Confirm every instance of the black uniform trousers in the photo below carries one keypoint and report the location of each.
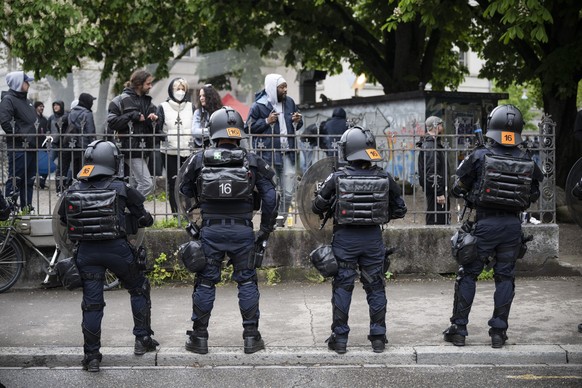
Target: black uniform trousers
(93, 258)
(363, 248)
(498, 237)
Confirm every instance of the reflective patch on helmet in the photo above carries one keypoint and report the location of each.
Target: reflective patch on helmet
(233, 132)
(217, 155)
(86, 171)
(373, 154)
(507, 138)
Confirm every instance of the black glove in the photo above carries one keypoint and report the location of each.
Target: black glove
(145, 220)
(261, 237)
(193, 230)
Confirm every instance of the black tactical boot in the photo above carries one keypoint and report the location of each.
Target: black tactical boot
(253, 344)
(197, 342)
(455, 334)
(580, 328)
(378, 342)
(337, 343)
(91, 362)
(498, 338)
(144, 345)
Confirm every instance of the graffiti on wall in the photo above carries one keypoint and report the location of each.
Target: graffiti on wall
(397, 127)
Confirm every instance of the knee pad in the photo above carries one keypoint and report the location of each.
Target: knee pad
(251, 280)
(335, 285)
(203, 282)
(372, 283)
(92, 306)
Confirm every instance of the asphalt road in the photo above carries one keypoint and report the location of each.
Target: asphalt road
(316, 376)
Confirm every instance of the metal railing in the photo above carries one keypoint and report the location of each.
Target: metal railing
(400, 153)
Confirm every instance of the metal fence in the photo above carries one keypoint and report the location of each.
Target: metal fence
(400, 154)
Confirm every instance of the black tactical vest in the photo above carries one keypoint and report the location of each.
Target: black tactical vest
(505, 183)
(93, 214)
(362, 199)
(225, 176)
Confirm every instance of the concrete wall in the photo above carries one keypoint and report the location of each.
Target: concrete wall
(421, 250)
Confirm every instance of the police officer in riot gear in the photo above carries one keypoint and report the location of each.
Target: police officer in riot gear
(499, 180)
(221, 180)
(362, 197)
(93, 210)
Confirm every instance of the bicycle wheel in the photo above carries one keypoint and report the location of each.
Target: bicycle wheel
(111, 281)
(11, 263)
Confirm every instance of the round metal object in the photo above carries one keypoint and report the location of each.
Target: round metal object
(574, 204)
(308, 186)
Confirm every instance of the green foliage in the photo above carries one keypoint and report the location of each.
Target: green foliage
(54, 37)
(159, 274)
(531, 92)
(272, 275)
(486, 274)
(388, 275)
(226, 275)
(170, 222)
(314, 276)
(160, 197)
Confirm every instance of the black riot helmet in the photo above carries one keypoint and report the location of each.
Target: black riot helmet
(226, 123)
(358, 143)
(101, 158)
(504, 125)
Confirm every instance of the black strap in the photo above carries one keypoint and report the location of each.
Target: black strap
(92, 276)
(343, 264)
(226, 221)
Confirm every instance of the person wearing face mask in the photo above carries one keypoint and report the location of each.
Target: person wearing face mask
(175, 121)
(208, 102)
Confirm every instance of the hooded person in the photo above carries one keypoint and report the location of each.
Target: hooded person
(79, 134)
(175, 116)
(273, 119)
(19, 120)
(333, 130)
(81, 120)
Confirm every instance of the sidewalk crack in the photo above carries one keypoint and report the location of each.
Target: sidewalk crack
(310, 319)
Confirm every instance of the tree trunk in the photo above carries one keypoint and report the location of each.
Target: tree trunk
(568, 150)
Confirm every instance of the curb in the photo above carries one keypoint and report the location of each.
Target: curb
(18, 357)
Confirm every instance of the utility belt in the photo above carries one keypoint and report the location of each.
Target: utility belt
(350, 226)
(226, 221)
(495, 213)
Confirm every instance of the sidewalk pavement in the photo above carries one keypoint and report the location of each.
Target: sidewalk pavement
(43, 327)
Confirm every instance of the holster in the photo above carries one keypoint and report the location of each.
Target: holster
(141, 256)
(523, 246)
(387, 262)
(256, 256)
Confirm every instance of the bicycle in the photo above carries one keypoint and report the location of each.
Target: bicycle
(14, 239)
